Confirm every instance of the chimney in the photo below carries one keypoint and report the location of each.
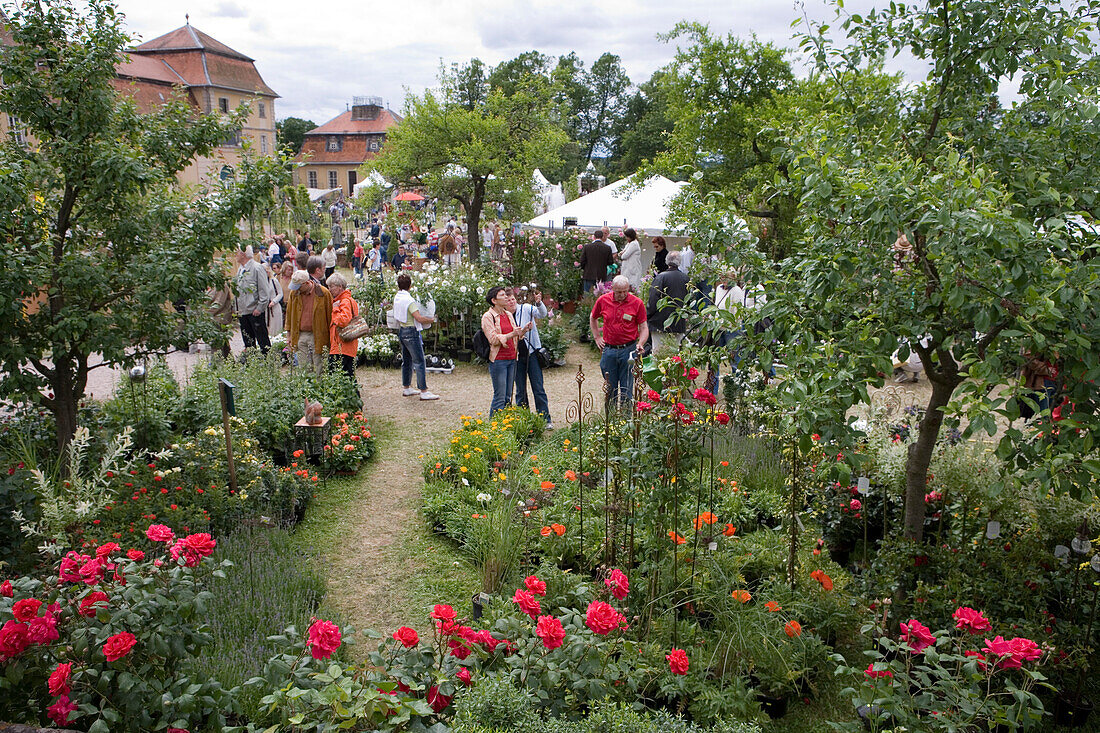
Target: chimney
(366, 108)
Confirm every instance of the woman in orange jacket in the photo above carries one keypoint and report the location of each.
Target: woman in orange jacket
(341, 354)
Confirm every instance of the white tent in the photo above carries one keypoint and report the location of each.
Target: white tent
(318, 194)
(375, 178)
(643, 208)
(548, 196)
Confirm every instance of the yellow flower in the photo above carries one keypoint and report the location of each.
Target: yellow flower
(463, 469)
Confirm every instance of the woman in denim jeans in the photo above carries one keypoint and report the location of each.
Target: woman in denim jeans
(503, 338)
(410, 321)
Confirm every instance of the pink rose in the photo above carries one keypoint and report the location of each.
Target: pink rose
(70, 567)
(26, 609)
(877, 673)
(160, 533)
(602, 618)
(527, 603)
(464, 675)
(550, 630)
(916, 635)
(59, 711)
(201, 544)
(971, 620)
(135, 555)
(42, 630)
(618, 583)
(855, 505)
(324, 639)
(705, 396)
(14, 639)
(677, 661)
(535, 585)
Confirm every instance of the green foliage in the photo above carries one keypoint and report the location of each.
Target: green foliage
(100, 237)
(290, 133)
(145, 406)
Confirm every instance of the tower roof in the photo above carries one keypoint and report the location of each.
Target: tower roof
(189, 38)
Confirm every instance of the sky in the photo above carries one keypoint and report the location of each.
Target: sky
(317, 57)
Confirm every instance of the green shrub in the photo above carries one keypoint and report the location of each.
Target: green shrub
(146, 406)
(494, 704)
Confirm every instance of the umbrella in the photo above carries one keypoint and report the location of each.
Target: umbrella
(409, 196)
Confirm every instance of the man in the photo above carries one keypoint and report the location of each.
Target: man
(624, 332)
(595, 259)
(448, 247)
(528, 368)
(605, 235)
(252, 300)
(308, 320)
(304, 241)
(385, 238)
(398, 261)
(375, 230)
(374, 260)
(665, 326)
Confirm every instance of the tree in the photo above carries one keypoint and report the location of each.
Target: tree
(470, 155)
(291, 132)
(986, 198)
(98, 239)
(606, 86)
(641, 134)
(530, 68)
(466, 86)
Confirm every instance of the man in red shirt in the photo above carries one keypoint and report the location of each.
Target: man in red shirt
(624, 333)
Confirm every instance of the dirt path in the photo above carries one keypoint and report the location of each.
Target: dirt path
(368, 568)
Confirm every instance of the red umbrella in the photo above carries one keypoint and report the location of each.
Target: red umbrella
(409, 196)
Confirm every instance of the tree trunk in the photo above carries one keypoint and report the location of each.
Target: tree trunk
(473, 220)
(64, 407)
(920, 453)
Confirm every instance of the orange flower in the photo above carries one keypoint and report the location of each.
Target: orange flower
(704, 518)
(545, 531)
(730, 530)
(793, 629)
(821, 577)
(559, 529)
(439, 465)
(741, 595)
(675, 537)
(725, 463)
(570, 475)
(546, 485)
(535, 470)
(773, 606)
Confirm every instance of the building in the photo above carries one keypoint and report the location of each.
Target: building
(332, 153)
(212, 77)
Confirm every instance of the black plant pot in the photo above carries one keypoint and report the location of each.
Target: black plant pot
(464, 355)
(774, 706)
(840, 555)
(1071, 712)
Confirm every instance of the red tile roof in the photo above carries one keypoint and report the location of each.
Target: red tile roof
(148, 68)
(344, 125)
(187, 38)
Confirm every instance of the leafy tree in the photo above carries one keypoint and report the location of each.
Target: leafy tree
(606, 86)
(467, 85)
(642, 132)
(529, 68)
(471, 155)
(991, 203)
(291, 132)
(98, 239)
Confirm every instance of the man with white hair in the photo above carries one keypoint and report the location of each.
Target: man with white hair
(623, 334)
(252, 298)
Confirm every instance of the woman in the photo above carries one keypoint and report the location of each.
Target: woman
(631, 258)
(528, 367)
(357, 259)
(328, 256)
(660, 252)
(285, 273)
(275, 304)
(410, 321)
(503, 336)
(341, 353)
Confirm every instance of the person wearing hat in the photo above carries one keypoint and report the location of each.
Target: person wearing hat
(308, 320)
(503, 335)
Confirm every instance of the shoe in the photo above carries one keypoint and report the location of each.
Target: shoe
(409, 392)
(426, 395)
(549, 426)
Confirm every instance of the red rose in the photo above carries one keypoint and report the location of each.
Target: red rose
(324, 639)
(59, 711)
(464, 675)
(877, 673)
(6, 589)
(104, 551)
(535, 585)
(643, 406)
(437, 699)
(43, 630)
(191, 558)
(160, 533)
(550, 630)
(677, 661)
(602, 618)
(135, 555)
(70, 567)
(705, 396)
(14, 639)
(26, 609)
(525, 599)
(408, 637)
(692, 373)
(90, 601)
(653, 395)
(618, 583)
(59, 679)
(722, 418)
(971, 620)
(118, 646)
(91, 572)
(916, 635)
(443, 612)
(200, 543)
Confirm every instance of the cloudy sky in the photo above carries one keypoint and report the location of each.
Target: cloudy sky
(318, 56)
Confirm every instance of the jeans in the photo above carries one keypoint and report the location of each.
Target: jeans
(254, 331)
(589, 284)
(412, 356)
(503, 374)
(617, 369)
(529, 369)
(357, 265)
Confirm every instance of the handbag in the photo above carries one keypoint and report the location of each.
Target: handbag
(543, 356)
(356, 327)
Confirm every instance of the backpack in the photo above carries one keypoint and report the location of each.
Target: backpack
(481, 345)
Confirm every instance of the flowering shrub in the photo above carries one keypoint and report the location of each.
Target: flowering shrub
(379, 348)
(548, 260)
(351, 442)
(105, 642)
(944, 681)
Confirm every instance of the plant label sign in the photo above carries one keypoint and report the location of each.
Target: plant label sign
(863, 485)
(993, 530)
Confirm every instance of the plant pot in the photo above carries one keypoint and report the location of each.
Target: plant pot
(464, 355)
(569, 306)
(774, 706)
(1070, 712)
(840, 555)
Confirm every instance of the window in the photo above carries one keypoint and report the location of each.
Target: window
(263, 111)
(233, 140)
(313, 179)
(17, 131)
(374, 145)
(333, 179)
(335, 144)
(263, 144)
(223, 104)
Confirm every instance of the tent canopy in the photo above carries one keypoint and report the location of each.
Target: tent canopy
(643, 208)
(319, 194)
